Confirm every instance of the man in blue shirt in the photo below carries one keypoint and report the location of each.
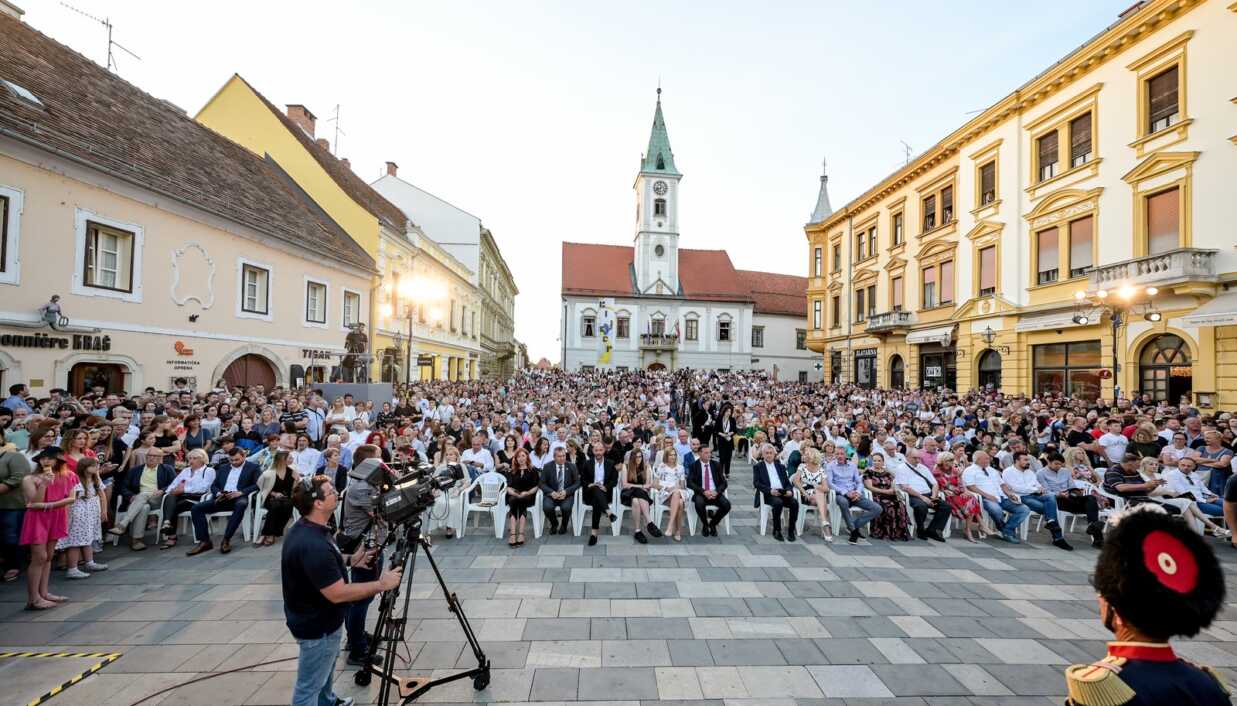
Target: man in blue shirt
(316, 591)
(847, 485)
(17, 399)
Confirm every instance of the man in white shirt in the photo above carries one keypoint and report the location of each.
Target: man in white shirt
(983, 479)
(914, 479)
(796, 438)
(1114, 442)
(1020, 479)
(683, 447)
(477, 459)
(889, 449)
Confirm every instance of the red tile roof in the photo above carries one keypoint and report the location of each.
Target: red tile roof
(776, 293)
(363, 194)
(91, 116)
(708, 275)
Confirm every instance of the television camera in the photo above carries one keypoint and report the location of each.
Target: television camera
(406, 491)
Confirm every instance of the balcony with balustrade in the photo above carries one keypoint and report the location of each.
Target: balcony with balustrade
(1182, 266)
(658, 342)
(890, 322)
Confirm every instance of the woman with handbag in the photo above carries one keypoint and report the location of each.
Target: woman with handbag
(275, 485)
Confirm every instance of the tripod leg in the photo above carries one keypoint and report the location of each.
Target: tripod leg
(453, 602)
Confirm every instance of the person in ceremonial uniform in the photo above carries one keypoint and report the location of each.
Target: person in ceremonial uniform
(1155, 579)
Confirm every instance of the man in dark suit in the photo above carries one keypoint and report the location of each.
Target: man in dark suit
(559, 481)
(141, 492)
(234, 481)
(708, 486)
(769, 477)
(599, 476)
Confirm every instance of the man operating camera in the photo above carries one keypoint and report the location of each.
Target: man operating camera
(365, 481)
(316, 591)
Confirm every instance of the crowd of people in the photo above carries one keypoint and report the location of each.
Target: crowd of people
(898, 465)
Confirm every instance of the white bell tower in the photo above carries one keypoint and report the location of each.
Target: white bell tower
(657, 214)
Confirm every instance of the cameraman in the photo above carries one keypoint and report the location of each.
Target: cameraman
(358, 519)
(316, 591)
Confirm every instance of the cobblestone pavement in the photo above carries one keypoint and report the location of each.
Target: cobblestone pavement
(742, 619)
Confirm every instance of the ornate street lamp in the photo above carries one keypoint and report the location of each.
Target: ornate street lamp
(1118, 309)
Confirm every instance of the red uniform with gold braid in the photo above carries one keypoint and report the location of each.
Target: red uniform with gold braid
(1157, 579)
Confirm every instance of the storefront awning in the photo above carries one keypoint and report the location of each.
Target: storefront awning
(941, 334)
(1221, 311)
(1056, 320)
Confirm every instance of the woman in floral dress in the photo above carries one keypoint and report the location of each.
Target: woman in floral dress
(962, 504)
(892, 524)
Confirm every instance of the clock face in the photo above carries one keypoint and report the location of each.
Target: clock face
(659, 187)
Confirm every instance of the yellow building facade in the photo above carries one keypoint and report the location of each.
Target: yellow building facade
(1100, 190)
(430, 277)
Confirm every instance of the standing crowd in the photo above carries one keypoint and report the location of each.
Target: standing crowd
(895, 465)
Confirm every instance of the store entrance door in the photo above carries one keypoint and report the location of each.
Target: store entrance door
(85, 377)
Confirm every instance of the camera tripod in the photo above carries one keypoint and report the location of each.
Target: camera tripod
(390, 629)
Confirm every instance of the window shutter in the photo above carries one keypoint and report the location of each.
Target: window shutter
(1081, 233)
(1163, 213)
(947, 281)
(1080, 139)
(1048, 149)
(1049, 255)
(1162, 99)
(987, 183)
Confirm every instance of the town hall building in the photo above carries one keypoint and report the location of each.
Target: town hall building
(657, 306)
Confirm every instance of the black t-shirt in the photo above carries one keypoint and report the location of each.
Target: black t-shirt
(310, 563)
(1078, 438)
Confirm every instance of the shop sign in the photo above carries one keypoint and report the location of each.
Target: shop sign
(182, 349)
(77, 342)
(315, 354)
(425, 360)
(933, 371)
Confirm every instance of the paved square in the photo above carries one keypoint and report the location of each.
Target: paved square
(739, 619)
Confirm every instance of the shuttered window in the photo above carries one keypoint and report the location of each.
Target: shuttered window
(1162, 110)
(1049, 256)
(947, 282)
(987, 183)
(929, 213)
(1081, 233)
(1046, 149)
(1080, 140)
(987, 271)
(1163, 220)
(895, 293)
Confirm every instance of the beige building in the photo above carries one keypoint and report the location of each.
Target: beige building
(175, 252)
(1073, 237)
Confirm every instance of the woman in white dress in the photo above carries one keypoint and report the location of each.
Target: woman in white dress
(813, 484)
(671, 490)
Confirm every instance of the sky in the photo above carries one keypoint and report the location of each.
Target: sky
(533, 115)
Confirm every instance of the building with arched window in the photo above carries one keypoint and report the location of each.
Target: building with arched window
(1074, 237)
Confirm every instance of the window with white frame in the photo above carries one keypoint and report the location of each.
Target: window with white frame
(109, 258)
(255, 289)
(723, 330)
(692, 329)
(588, 326)
(10, 234)
(315, 302)
(758, 337)
(352, 308)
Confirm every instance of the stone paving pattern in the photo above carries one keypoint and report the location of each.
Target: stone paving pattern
(742, 619)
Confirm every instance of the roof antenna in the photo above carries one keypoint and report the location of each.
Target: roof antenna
(659, 88)
(106, 22)
(338, 131)
(907, 149)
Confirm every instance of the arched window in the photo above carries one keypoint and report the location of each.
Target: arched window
(897, 372)
(990, 369)
(1165, 368)
(659, 208)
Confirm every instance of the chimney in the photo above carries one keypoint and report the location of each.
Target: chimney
(8, 8)
(324, 144)
(344, 161)
(298, 114)
(392, 167)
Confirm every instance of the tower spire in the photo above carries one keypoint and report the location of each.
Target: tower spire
(658, 157)
(823, 210)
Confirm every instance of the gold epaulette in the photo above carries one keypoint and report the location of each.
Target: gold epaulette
(1216, 675)
(1097, 684)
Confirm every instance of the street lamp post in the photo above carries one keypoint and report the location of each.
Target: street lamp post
(1118, 310)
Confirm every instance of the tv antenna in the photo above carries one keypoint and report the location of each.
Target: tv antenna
(338, 131)
(907, 150)
(111, 43)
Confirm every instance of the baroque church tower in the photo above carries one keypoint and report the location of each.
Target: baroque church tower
(657, 214)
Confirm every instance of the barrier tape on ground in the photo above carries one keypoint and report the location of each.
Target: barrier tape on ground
(108, 658)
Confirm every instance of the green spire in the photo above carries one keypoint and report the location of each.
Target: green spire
(658, 157)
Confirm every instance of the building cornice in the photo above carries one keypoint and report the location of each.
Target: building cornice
(1072, 68)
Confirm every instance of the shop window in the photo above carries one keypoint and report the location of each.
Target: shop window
(1067, 368)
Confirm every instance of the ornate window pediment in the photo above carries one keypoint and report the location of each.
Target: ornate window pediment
(1063, 205)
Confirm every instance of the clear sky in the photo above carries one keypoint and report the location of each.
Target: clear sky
(533, 115)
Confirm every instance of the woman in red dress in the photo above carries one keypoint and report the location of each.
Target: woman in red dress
(49, 493)
(962, 504)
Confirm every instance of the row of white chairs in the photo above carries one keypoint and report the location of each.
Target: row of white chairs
(249, 527)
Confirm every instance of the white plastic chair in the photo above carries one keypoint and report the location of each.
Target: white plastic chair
(157, 513)
(1118, 505)
(725, 520)
(577, 517)
(493, 501)
(906, 500)
(689, 510)
(835, 512)
(246, 520)
(985, 521)
(804, 509)
(538, 517)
